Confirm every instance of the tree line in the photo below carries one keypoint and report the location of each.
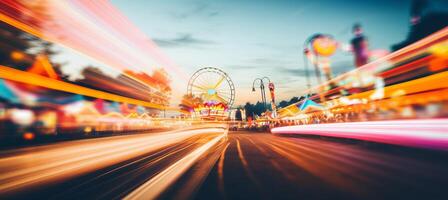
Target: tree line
(258, 108)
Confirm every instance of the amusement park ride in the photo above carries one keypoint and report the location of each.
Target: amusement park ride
(216, 90)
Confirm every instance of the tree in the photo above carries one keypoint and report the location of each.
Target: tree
(249, 109)
(14, 45)
(238, 115)
(259, 108)
(254, 109)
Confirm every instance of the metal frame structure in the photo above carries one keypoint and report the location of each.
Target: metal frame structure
(263, 93)
(202, 84)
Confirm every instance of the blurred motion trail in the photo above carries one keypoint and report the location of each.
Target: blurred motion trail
(210, 164)
(60, 169)
(265, 166)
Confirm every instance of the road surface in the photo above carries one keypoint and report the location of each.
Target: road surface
(210, 164)
(263, 166)
(100, 168)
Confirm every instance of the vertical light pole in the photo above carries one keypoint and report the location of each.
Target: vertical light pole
(261, 84)
(263, 93)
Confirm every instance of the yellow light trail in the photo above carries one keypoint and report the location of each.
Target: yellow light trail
(38, 80)
(429, 83)
(21, 26)
(159, 183)
(433, 82)
(33, 166)
(402, 54)
(419, 47)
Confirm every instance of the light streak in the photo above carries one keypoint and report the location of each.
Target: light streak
(422, 44)
(414, 49)
(436, 81)
(34, 79)
(22, 26)
(241, 155)
(34, 165)
(158, 184)
(221, 170)
(106, 36)
(429, 83)
(246, 166)
(429, 133)
(324, 167)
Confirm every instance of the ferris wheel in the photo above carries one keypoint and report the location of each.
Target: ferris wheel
(212, 84)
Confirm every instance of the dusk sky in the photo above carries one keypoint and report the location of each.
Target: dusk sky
(250, 39)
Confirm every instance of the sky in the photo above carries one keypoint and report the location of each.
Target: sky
(252, 38)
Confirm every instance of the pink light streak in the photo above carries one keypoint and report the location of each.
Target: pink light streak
(428, 133)
(94, 28)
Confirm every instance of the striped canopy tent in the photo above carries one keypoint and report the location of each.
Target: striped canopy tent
(298, 108)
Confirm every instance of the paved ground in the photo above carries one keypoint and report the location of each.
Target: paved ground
(264, 166)
(98, 168)
(244, 165)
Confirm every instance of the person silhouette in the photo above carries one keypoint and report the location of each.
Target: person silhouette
(359, 46)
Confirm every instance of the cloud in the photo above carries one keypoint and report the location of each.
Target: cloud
(213, 13)
(296, 71)
(264, 60)
(186, 39)
(201, 9)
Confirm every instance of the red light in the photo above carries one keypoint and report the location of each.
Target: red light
(28, 136)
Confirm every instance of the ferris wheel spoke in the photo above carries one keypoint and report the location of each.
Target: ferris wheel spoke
(224, 91)
(202, 82)
(199, 87)
(198, 92)
(212, 84)
(227, 99)
(224, 95)
(227, 90)
(219, 82)
(220, 99)
(223, 87)
(206, 81)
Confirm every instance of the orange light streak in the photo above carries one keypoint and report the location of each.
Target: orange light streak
(35, 165)
(420, 46)
(158, 184)
(436, 81)
(38, 80)
(106, 48)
